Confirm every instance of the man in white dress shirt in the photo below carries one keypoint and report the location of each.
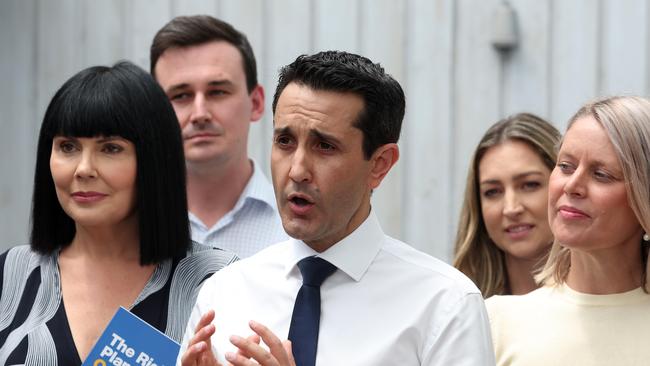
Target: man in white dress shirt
(337, 119)
(207, 69)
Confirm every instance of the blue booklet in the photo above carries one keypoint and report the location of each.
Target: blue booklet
(130, 341)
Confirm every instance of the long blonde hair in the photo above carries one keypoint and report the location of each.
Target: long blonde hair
(476, 255)
(626, 120)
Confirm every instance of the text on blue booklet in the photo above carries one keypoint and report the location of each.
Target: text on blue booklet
(130, 341)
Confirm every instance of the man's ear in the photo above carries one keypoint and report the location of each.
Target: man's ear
(257, 102)
(382, 160)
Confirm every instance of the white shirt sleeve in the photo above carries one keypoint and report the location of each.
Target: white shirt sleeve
(464, 337)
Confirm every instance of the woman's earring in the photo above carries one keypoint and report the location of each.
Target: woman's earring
(646, 237)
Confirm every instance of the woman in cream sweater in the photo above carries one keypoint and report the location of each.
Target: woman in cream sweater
(594, 306)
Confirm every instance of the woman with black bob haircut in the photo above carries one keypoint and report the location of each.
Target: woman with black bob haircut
(109, 222)
(122, 101)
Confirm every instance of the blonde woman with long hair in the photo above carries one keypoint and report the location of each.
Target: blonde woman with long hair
(503, 230)
(594, 306)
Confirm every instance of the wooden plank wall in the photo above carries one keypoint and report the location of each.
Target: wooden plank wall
(456, 83)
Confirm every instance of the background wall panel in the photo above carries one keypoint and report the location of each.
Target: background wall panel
(624, 48)
(180, 7)
(574, 61)
(426, 138)
(59, 43)
(143, 19)
(526, 69)
(102, 25)
(18, 118)
(477, 87)
(337, 25)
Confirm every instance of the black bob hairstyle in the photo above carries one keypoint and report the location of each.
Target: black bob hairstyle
(124, 101)
(338, 71)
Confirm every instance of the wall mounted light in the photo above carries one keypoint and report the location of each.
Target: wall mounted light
(505, 36)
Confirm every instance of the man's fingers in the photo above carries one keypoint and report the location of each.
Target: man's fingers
(237, 359)
(272, 341)
(254, 350)
(289, 349)
(206, 319)
(253, 338)
(193, 354)
(203, 330)
(199, 354)
(203, 335)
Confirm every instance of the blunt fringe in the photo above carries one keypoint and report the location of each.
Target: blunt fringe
(626, 120)
(123, 101)
(476, 254)
(337, 71)
(186, 31)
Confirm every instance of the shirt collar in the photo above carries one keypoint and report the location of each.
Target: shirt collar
(352, 255)
(257, 188)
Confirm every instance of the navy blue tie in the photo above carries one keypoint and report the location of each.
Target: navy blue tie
(305, 320)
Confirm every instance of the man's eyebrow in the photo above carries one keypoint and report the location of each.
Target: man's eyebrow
(324, 136)
(312, 133)
(183, 86)
(221, 82)
(177, 87)
(281, 130)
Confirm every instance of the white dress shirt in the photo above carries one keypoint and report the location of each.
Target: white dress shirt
(252, 225)
(387, 304)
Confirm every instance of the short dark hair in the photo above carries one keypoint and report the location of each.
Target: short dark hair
(185, 31)
(384, 102)
(124, 101)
